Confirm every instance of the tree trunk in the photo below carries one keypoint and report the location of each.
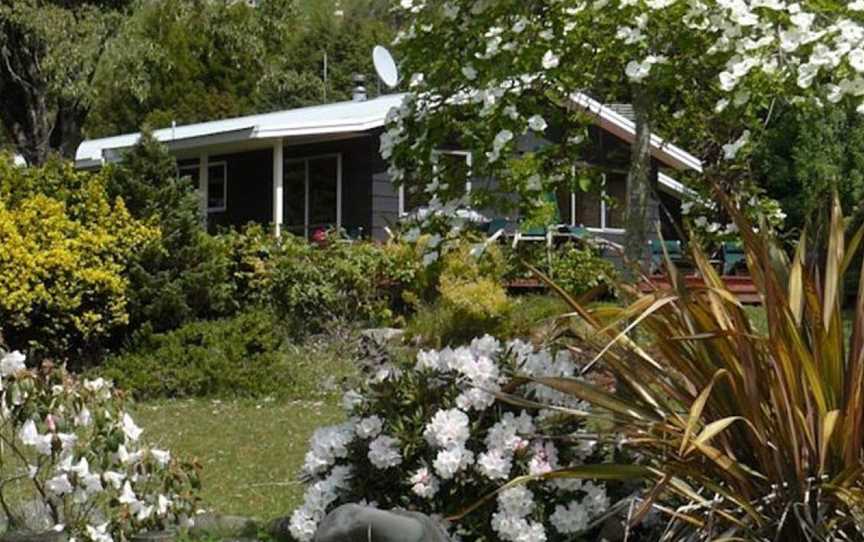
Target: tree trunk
(639, 182)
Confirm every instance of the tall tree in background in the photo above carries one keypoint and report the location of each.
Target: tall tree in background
(189, 61)
(49, 54)
(343, 30)
(809, 153)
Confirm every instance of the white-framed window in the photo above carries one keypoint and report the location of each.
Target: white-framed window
(593, 209)
(412, 201)
(217, 183)
(312, 194)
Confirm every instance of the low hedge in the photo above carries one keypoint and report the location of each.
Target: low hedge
(247, 355)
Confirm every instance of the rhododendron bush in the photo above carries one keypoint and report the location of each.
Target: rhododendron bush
(432, 436)
(70, 446)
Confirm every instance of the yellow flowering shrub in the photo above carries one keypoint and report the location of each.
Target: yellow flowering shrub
(64, 249)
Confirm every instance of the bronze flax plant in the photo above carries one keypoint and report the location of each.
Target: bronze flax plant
(744, 434)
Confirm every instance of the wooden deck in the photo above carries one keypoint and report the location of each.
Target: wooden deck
(741, 286)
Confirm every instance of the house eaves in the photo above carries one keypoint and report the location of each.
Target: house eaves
(621, 126)
(344, 119)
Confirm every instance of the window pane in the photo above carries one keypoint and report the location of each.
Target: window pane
(323, 180)
(216, 187)
(415, 196)
(588, 209)
(294, 197)
(562, 196)
(616, 189)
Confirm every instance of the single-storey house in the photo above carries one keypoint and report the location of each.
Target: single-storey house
(302, 169)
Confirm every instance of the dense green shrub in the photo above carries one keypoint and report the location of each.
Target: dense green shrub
(64, 250)
(313, 286)
(578, 270)
(186, 273)
(436, 324)
(248, 355)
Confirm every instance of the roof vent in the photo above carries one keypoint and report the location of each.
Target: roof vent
(359, 92)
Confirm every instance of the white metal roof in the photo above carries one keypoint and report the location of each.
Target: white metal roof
(335, 118)
(351, 117)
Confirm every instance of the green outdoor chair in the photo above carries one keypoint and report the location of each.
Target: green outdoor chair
(496, 225)
(673, 248)
(733, 257)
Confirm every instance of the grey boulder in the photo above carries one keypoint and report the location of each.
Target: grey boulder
(355, 523)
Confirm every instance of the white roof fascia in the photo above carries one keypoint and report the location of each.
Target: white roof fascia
(323, 129)
(625, 128)
(672, 185)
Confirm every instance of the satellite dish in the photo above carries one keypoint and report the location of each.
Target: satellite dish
(385, 66)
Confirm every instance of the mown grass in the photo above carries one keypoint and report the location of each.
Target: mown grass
(250, 451)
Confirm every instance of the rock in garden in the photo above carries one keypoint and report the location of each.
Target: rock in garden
(383, 335)
(355, 523)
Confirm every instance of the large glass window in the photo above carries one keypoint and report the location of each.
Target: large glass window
(311, 191)
(294, 197)
(323, 191)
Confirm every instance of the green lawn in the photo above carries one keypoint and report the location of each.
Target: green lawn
(250, 451)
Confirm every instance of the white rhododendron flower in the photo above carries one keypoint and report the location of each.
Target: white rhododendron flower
(450, 461)
(130, 429)
(424, 484)
(31, 437)
(369, 427)
(11, 363)
(448, 428)
(384, 452)
(328, 444)
(495, 464)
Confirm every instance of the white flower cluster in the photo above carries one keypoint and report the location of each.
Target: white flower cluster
(327, 445)
(319, 496)
(515, 505)
(471, 439)
(103, 489)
